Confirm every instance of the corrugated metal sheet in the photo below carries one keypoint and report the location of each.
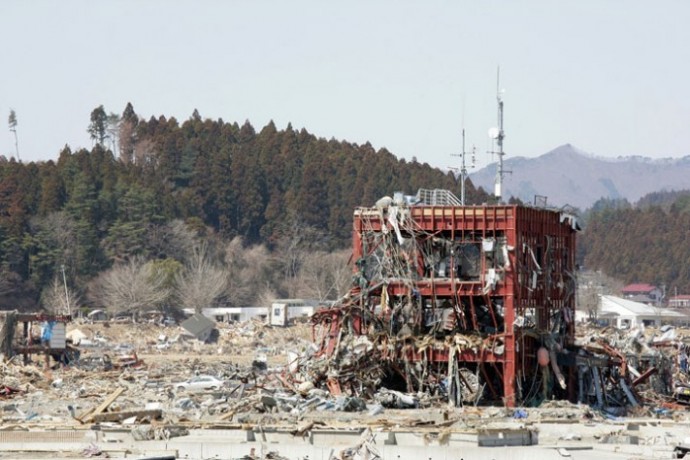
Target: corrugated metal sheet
(58, 338)
(42, 436)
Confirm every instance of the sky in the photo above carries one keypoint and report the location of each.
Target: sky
(610, 77)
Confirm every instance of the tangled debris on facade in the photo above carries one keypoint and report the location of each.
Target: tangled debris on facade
(472, 304)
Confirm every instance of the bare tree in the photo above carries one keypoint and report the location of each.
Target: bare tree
(173, 239)
(130, 287)
(250, 272)
(265, 295)
(127, 140)
(295, 241)
(238, 289)
(58, 301)
(202, 281)
(325, 275)
(145, 153)
(591, 286)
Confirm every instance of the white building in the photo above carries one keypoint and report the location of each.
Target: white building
(233, 314)
(624, 313)
(281, 312)
(679, 301)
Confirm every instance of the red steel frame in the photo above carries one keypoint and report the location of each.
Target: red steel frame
(523, 227)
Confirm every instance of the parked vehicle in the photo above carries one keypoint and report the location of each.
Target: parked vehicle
(200, 382)
(124, 360)
(169, 322)
(123, 348)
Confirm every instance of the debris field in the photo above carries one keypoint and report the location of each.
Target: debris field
(461, 319)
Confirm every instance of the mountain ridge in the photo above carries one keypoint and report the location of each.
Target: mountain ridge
(569, 175)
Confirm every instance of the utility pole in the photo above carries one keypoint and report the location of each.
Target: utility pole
(64, 280)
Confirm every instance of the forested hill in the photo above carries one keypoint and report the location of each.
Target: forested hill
(646, 243)
(93, 208)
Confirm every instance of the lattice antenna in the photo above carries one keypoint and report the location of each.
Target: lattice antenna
(463, 167)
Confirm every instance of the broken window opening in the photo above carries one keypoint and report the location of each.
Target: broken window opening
(469, 261)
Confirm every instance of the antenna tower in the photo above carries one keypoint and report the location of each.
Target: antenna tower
(499, 135)
(463, 168)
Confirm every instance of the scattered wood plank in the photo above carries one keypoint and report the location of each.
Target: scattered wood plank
(88, 416)
(227, 416)
(151, 414)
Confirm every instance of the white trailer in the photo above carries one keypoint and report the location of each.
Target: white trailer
(285, 311)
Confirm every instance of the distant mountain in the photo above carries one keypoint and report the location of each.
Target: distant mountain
(567, 175)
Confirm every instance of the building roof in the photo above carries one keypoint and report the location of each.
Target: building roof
(642, 298)
(197, 324)
(307, 302)
(638, 287)
(626, 307)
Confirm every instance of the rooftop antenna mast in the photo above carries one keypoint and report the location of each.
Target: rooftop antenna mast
(463, 165)
(498, 134)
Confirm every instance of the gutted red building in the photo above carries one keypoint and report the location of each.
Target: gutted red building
(474, 302)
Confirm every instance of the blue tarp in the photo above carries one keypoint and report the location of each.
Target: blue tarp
(47, 331)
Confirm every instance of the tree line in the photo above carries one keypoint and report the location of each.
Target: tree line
(193, 214)
(648, 242)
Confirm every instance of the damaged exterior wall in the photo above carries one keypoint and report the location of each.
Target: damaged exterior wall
(469, 303)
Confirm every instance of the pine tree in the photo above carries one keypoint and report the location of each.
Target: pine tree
(98, 128)
(136, 216)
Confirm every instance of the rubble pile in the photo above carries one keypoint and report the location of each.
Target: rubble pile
(464, 314)
(278, 379)
(619, 370)
(129, 357)
(362, 364)
(619, 373)
(451, 306)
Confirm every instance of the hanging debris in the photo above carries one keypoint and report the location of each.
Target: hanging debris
(455, 301)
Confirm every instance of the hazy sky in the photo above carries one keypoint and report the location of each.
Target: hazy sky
(610, 77)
